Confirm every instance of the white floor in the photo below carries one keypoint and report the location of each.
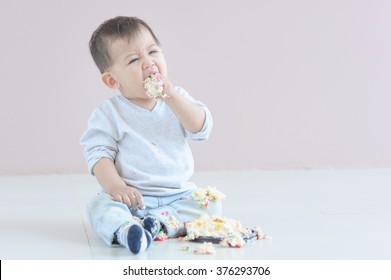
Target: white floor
(312, 214)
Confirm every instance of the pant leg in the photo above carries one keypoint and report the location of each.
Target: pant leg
(183, 209)
(106, 216)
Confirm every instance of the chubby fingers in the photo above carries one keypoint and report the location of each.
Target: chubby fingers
(133, 200)
(138, 198)
(117, 197)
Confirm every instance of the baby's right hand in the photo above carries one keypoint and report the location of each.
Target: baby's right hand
(129, 196)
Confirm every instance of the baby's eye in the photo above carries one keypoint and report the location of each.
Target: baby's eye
(133, 60)
(153, 51)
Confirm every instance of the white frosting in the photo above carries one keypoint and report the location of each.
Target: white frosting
(155, 86)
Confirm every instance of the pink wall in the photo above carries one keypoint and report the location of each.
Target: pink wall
(291, 84)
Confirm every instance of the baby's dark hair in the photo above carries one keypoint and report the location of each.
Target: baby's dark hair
(113, 29)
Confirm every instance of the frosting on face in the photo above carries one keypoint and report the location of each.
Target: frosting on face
(155, 86)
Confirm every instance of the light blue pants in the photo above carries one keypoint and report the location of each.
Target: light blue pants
(106, 215)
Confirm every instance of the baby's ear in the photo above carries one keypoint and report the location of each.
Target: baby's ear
(109, 80)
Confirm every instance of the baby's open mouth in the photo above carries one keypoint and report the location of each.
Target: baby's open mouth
(154, 85)
(153, 73)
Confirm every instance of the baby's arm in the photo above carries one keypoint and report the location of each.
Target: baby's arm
(112, 183)
(190, 115)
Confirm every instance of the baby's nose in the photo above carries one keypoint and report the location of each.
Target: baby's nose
(148, 63)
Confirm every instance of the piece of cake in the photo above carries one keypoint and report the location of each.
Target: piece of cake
(227, 232)
(155, 86)
(205, 249)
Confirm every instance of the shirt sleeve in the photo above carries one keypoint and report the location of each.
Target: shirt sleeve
(204, 133)
(100, 138)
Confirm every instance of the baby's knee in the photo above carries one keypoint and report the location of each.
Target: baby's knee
(102, 203)
(98, 200)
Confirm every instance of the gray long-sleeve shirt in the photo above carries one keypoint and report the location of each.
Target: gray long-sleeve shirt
(149, 148)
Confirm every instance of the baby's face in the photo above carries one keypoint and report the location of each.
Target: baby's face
(134, 61)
